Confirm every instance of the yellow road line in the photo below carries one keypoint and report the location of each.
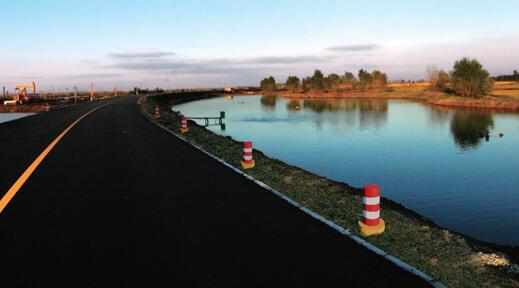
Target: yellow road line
(19, 183)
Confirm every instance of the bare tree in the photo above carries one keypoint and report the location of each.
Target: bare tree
(431, 74)
(438, 79)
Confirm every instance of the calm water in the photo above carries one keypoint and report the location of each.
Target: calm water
(433, 160)
(4, 117)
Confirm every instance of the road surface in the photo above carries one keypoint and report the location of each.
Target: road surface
(119, 202)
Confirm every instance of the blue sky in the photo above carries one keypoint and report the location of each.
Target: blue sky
(176, 44)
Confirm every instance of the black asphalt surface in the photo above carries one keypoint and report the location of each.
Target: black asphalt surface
(120, 202)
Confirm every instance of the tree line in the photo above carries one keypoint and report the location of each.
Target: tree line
(330, 83)
(468, 78)
(513, 77)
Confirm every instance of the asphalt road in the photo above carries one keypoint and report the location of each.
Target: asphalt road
(120, 202)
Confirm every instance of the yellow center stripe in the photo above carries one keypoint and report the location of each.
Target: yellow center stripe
(19, 183)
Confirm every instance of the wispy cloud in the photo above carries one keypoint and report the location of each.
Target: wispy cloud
(180, 67)
(218, 65)
(88, 61)
(96, 75)
(287, 59)
(354, 48)
(140, 55)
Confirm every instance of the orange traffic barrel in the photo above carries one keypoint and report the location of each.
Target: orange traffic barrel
(247, 162)
(372, 223)
(183, 124)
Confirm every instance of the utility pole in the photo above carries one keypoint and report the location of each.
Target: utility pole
(75, 94)
(4, 92)
(91, 92)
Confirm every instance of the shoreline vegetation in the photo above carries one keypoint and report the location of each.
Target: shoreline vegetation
(505, 101)
(452, 258)
(468, 85)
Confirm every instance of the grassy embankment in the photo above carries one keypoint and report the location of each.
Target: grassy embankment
(455, 260)
(35, 107)
(505, 96)
(22, 108)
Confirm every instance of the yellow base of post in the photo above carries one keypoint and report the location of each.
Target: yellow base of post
(366, 230)
(184, 130)
(248, 165)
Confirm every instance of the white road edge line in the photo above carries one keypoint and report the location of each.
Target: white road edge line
(413, 270)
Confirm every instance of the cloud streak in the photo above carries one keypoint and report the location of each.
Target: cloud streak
(354, 48)
(288, 59)
(140, 55)
(180, 67)
(218, 65)
(97, 75)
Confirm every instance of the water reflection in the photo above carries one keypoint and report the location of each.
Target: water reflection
(470, 128)
(439, 117)
(269, 101)
(373, 112)
(332, 105)
(320, 106)
(293, 105)
(377, 105)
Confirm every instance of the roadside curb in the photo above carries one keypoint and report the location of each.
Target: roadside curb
(405, 266)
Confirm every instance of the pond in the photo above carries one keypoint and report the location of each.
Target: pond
(459, 168)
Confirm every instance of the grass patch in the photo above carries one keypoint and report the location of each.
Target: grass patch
(451, 258)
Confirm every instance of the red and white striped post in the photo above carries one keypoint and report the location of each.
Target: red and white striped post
(371, 223)
(47, 107)
(157, 111)
(183, 124)
(247, 162)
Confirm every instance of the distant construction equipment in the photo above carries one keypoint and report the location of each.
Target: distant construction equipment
(27, 93)
(22, 95)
